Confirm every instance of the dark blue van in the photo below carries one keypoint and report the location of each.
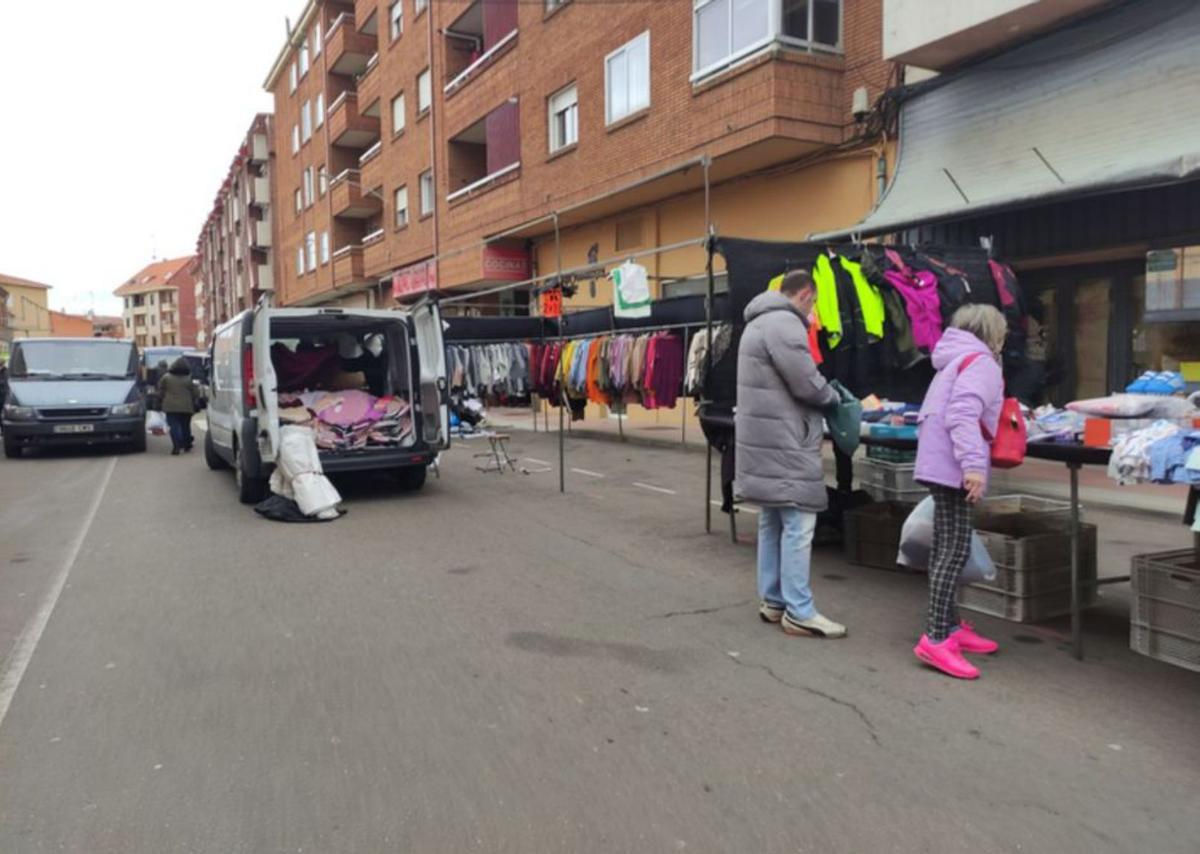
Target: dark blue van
(73, 391)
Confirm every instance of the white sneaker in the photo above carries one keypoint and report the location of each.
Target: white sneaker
(769, 613)
(816, 626)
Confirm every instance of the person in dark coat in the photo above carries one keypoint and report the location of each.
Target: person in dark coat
(178, 395)
(779, 429)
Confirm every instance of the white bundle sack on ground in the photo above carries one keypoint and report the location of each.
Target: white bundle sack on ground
(298, 474)
(916, 546)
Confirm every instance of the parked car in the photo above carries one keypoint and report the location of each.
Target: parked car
(243, 408)
(73, 391)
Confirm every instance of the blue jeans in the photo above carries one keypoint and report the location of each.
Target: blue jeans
(785, 536)
(180, 426)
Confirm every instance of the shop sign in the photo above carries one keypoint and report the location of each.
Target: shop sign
(552, 303)
(416, 279)
(505, 264)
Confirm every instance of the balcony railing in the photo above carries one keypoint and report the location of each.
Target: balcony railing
(485, 60)
(486, 182)
(262, 234)
(370, 88)
(349, 199)
(348, 266)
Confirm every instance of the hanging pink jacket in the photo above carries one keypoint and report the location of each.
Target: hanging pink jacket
(921, 300)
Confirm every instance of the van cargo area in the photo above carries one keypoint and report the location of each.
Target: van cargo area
(350, 381)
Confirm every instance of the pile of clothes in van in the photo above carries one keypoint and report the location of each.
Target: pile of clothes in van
(348, 420)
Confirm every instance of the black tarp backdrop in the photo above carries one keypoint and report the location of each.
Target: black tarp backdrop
(751, 264)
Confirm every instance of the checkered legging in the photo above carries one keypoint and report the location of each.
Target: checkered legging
(951, 549)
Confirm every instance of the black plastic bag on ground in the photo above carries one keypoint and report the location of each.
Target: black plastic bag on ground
(280, 509)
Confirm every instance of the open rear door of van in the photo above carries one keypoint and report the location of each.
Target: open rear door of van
(265, 386)
(434, 392)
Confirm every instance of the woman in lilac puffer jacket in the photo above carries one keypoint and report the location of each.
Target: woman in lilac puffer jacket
(958, 418)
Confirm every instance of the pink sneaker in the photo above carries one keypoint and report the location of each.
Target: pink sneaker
(946, 657)
(968, 641)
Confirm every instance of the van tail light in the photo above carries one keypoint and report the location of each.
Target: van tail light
(248, 377)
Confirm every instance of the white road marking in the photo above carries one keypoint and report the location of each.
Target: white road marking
(588, 473)
(536, 462)
(656, 488)
(27, 641)
(743, 508)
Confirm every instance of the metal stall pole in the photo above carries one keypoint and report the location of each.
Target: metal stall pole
(1076, 617)
(562, 404)
(706, 162)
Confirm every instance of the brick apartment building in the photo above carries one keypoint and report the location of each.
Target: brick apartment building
(160, 305)
(407, 131)
(235, 263)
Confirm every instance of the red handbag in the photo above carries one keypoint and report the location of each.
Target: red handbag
(1009, 443)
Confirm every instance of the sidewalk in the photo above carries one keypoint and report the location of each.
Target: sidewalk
(1035, 477)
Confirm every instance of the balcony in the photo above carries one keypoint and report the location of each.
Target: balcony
(366, 15)
(261, 235)
(371, 168)
(375, 252)
(486, 154)
(349, 50)
(940, 34)
(260, 191)
(348, 266)
(260, 150)
(348, 128)
(476, 39)
(348, 198)
(265, 276)
(370, 89)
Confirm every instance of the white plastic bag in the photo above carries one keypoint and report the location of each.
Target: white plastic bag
(156, 423)
(916, 545)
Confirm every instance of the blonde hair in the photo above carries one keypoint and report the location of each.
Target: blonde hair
(985, 322)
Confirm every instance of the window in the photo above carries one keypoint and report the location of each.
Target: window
(320, 119)
(322, 181)
(303, 59)
(396, 19)
(299, 201)
(402, 206)
(295, 139)
(419, 6)
(295, 79)
(308, 187)
(398, 113)
(310, 243)
(300, 261)
(564, 118)
(316, 40)
(426, 193)
(324, 247)
(725, 30)
(424, 91)
(627, 79)
(306, 122)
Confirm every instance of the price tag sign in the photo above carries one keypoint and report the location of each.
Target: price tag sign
(552, 303)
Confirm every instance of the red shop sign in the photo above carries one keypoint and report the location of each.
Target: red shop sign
(416, 279)
(505, 264)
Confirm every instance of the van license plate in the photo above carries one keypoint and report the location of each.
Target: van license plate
(74, 428)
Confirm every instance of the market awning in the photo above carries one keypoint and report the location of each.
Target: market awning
(1105, 104)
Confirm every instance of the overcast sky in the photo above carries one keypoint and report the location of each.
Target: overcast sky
(120, 122)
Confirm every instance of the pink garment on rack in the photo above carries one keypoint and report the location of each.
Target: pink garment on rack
(919, 290)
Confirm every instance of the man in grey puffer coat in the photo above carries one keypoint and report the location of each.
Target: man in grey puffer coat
(780, 427)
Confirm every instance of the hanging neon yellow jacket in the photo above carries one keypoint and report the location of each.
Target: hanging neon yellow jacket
(828, 308)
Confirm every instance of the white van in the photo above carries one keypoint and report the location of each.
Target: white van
(399, 356)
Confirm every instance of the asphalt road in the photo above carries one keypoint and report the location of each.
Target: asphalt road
(489, 666)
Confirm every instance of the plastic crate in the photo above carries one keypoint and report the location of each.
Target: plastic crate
(889, 475)
(1165, 617)
(1033, 569)
(1022, 609)
(872, 534)
(1001, 507)
(890, 455)
(1033, 545)
(902, 496)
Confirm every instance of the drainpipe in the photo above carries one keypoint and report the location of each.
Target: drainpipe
(881, 170)
(433, 168)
